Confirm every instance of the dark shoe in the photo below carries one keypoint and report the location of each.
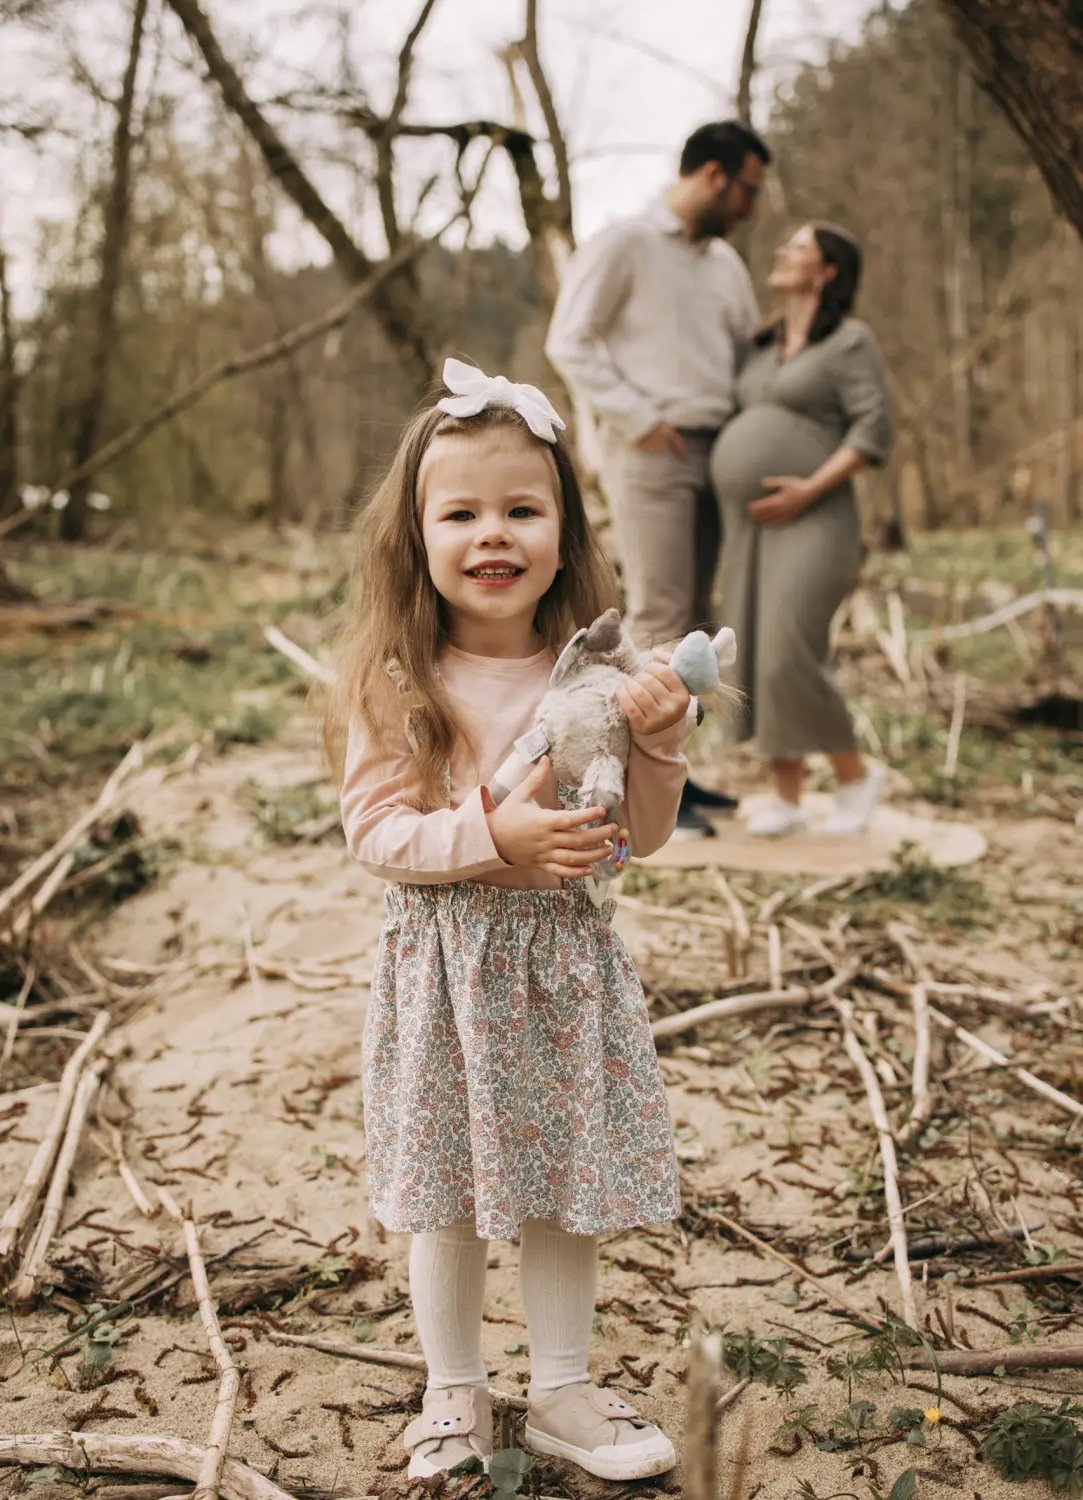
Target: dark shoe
(701, 796)
(692, 824)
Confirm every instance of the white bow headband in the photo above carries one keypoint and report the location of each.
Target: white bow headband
(473, 390)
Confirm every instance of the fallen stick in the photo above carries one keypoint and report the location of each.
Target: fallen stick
(127, 1176)
(209, 1478)
(733, 1393)
(24, 1289)
(67, 840)
(946, 1244)
(700, 1468)
(106, 1453)
(991, 1055)
(742, 936)
(921, 1108)
(17, 1012)
(955, 732)
(887, 1156)
(791, 1265)
(19, 1211)
(774, 956)
(1029, 1273)
(736, 1005)
(1062, 598)
(299, 656)
(676, 914)
(988, 1361)
(399, 1359)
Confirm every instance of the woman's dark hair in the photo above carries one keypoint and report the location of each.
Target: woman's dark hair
(726, 142)
(840, 249)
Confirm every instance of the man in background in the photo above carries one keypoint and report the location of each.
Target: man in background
(653, 317)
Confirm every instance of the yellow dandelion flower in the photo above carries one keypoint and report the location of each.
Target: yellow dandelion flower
(933, 1414)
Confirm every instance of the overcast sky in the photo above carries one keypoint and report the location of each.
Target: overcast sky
(631, 79)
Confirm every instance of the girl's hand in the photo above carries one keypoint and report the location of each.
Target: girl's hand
(544, 838)
(654, 699)
(791, 497)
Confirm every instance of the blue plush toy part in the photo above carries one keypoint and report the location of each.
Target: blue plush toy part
(697, 660)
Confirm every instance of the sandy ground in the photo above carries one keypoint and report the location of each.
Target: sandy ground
(245, 1098)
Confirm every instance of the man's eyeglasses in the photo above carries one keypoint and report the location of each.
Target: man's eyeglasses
(752, 189)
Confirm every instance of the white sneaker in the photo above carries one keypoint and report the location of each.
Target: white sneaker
(777, 819)
(856, 803)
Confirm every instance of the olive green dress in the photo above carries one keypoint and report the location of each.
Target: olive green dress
(782, 584)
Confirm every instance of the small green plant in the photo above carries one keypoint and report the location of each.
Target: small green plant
(98, 1346)
(1028, 1442)
(329, 1269)
(508, 1469)
(768, 1360)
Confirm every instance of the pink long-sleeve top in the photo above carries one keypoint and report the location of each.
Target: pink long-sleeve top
(496, 700)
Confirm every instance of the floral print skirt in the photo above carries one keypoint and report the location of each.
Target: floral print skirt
(509, 1069)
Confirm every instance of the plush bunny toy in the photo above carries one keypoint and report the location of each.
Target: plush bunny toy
(582, 728)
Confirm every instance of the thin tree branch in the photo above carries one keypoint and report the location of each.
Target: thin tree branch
(385, 141)
(562, 206)
(748, 65)
(398, 315)
(243, 364)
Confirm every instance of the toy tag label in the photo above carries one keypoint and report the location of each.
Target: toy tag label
(532, 745)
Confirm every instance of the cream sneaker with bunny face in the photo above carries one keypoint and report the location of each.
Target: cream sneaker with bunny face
(454, 1425)
(598, 1431)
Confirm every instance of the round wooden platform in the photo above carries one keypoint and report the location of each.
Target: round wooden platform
(817, 853)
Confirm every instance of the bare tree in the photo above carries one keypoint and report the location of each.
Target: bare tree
(748, 64)
(1026, 54)
(9, 401)
(397, 307)
(956, 211)
(73, 517)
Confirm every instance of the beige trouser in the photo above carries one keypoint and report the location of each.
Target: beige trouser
(668, 534)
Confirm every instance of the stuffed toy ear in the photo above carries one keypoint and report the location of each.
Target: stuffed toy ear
(696, 664)
(725, 647)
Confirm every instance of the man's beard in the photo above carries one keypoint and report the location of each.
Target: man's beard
(715, 223)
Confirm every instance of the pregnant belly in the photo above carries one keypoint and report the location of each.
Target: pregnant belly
(766, 440)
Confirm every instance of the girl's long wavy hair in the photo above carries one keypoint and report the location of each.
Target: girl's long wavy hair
(394, 622)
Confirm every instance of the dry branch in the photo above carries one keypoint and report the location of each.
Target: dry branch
(791, 1265)
(887, 1155)
(1029, 1273)
(736, 1005)
(105, 1453)
(991, 1055)
(44, 862)
(399, 1359)
(955, 732)
(400, 315)
(24, 1288)
(127, 1176)
(209, 1477)
(1057, 598)
(299, 656)
(921, 1107)
(701, 1431)
(242, 364)
(16, 1013)
(19, 1211)
(988, 1361)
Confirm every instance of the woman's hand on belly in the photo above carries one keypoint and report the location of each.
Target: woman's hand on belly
(791, 496)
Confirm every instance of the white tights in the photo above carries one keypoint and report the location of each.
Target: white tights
(558, 1274)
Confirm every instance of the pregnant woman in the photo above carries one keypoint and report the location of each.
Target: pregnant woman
(813, 412)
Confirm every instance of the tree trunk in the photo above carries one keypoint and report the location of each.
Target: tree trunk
(1028, 55)
(956, 178)
(400, 314)
(9, 402)
(73, 517)
(748, 64)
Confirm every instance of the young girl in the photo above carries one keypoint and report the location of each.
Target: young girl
(511, 1086)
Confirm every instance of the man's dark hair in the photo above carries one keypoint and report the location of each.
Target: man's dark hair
(727, 142)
